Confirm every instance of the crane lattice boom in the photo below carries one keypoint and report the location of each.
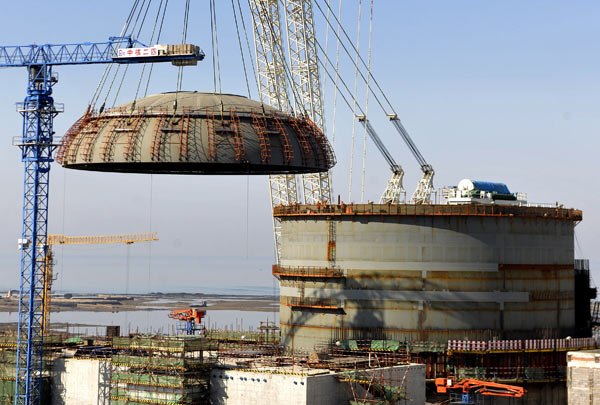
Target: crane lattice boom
(95, 240)
(80, 240)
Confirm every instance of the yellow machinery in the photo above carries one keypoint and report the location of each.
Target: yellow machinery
(81, 240)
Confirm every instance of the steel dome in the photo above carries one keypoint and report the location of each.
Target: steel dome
(206, 133)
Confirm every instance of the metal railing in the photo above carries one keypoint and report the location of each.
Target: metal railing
(311, 302)
(307, 271)
(428, 210)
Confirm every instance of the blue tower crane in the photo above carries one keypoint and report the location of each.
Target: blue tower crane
(37, 145)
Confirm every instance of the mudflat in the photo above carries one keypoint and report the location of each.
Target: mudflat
(152, 301)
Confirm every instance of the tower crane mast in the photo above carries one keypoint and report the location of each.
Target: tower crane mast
(37, 145)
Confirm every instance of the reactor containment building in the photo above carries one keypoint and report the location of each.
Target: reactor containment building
(491, 267)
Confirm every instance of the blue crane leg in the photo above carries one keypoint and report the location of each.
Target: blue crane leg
(36, 146)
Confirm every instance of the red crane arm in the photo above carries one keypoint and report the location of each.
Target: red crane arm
(187, 315)
(469, 385)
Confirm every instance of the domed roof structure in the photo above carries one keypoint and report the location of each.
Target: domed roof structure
(195, 133)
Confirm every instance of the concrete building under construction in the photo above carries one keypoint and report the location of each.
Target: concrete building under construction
(426, 272)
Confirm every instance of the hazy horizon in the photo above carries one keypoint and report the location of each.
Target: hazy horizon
(498, 91)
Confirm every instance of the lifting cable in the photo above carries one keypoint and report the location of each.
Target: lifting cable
(325, 77)
(337, 73)
(131, 33)
(354, 104)
(364, 160)
(374, 136)
(108, 68)
(237, 28)
(157, 40)
(150, 44)
(248, 45)
(396, 122)
(215, 46)
(186, 15)
(362, 61)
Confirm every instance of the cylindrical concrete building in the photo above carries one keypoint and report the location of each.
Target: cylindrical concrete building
(425, 272)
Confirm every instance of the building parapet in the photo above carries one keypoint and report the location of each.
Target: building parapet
(299, 210)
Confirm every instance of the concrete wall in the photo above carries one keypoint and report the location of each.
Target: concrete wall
(244, 387)
(583, 377)
(80, 382)
(429, 278)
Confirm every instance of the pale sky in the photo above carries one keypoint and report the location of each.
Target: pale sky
(501, 91)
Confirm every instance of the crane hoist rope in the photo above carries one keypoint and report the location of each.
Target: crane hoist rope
(355, 102)
(239, 38)
(424, 188)
(394, 191)
(364, 159)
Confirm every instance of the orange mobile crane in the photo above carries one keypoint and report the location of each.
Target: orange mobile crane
(470, 388)
(80, 240)
(191, 317)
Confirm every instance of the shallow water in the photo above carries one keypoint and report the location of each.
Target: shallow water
(155, 321)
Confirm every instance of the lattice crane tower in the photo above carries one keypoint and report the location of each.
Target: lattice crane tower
(272, 83)
(304, 68)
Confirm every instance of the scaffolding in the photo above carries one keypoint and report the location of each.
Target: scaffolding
(8, 367)
(161, 370)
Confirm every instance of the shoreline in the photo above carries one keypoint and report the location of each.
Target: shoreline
(152, 302)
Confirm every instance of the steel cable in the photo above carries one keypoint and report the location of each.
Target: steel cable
(186, 14)
(354, 101)
(337, 74)
(248, 45)
(316, 2)
(364, 161)
(237, 28)
(157, 40)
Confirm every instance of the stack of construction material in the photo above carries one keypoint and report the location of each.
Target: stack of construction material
(583, 377)
(161, 370)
